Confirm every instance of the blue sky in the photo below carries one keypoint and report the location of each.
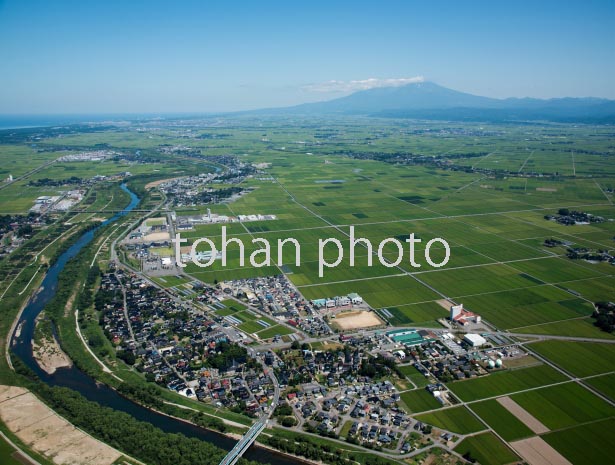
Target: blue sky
(197, 56)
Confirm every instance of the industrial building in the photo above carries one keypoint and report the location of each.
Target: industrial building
(410, 337)
(475, 340)
(462, 316)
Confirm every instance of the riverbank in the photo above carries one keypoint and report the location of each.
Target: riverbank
(301, 460)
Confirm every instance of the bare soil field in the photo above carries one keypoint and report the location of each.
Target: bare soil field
(49, 434)
(357, 320)
(154, 237)
(536, 451)
(523, 415)
(153, 184)
(521, 362)
(445, 304)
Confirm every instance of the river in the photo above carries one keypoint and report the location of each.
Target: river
(87, 386)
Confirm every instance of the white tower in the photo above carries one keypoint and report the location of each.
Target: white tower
(456, 310)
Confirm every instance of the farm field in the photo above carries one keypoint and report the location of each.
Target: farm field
(501, 420)
(419, 401)
(456, 419)
(418, 378)
(564, 405)
(487, 449)
(604, 384)
(378, 293)
(7, 454)
(574, 327)
(171, 281)
(526, 307)
(579, 358)
(585, 445)
(415, 314)
(505, 381)
(274, 330)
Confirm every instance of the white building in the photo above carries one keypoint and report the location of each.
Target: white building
(475, 340)
(355, 298)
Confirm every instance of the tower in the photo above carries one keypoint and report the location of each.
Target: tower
(456, 311)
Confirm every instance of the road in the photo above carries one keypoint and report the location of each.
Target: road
(27, 174)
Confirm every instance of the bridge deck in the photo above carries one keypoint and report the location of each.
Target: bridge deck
(244, 443)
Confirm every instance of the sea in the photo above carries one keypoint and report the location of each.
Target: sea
(37, 121)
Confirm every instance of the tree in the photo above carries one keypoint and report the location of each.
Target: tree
(95, 340)
(283, 410)
(24, 230)
(127, 356)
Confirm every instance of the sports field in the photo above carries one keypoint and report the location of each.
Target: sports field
(356, 320)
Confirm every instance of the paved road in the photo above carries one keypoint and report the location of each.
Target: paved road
(27, 174)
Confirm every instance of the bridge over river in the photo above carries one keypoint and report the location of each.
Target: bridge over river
(245, 442)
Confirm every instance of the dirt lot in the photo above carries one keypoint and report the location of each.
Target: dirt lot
(47, 433)
(153, 184)
(445, 304)
(357, 320)
(536, 451)
(523, 415)
(157, 237)
(518, 362)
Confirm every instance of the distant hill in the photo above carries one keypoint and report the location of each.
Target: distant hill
(427, 100)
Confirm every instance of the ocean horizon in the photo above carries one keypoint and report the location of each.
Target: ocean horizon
(23, 121)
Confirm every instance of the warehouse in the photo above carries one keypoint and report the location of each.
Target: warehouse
(474, 340)
(409, 337)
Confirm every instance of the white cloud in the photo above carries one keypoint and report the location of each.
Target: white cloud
(363, 84)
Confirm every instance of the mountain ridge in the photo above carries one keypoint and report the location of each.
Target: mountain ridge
(428, 100)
